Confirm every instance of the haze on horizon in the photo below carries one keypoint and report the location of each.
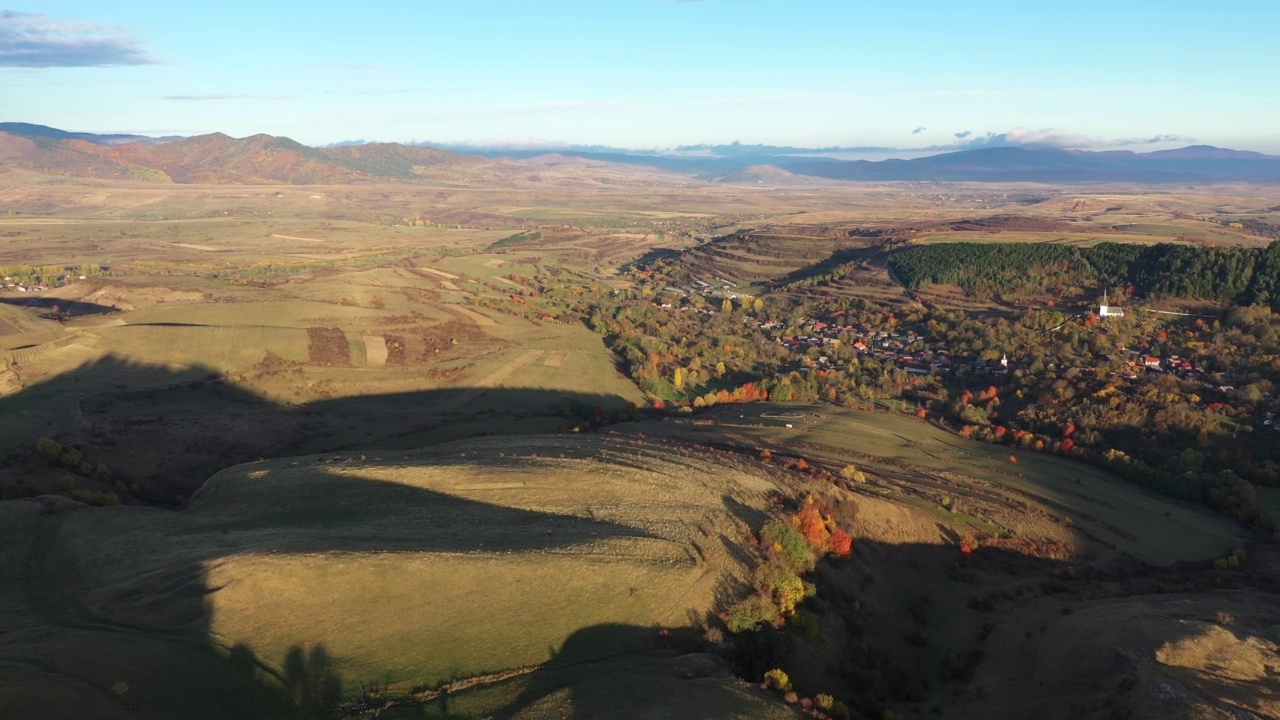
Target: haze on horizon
(904, 77)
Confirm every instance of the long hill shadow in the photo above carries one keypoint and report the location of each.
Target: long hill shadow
(160, 432)
(902, 627)
(835, 260)
(62, 307)
(101, 650)
(104, 646)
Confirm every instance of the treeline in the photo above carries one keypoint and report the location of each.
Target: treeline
(1255, 227)
(831, 277)
(518, 238)
(1241, 276)
(46, 273)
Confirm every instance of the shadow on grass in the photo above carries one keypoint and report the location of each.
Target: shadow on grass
(60, 306)
(900, 626)
(160, 432)
(136, 641)
(612, 671)
(146, 648)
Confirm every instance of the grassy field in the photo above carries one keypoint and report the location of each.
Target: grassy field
(387, 312)
(906, 452)
(410, 569)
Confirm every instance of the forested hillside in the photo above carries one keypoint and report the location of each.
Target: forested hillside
(1244, 276)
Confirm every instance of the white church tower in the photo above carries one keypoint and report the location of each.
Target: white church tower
(1105, 310)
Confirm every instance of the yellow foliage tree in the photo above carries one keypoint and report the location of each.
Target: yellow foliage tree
(788, 592)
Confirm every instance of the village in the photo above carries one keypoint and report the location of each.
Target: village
(896, 348)
(824, 345)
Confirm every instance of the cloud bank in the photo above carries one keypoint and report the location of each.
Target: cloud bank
(34, 40)
(1052, 139)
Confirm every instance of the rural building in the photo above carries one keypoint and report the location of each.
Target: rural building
(1106, 311)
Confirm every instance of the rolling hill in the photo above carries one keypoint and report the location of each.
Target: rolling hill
(56, 157)
(220, 159)
(400, 571)
(44, 131)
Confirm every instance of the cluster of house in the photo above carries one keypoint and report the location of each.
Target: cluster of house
(721, 288)
(11, 284)
(883, 345)
(1141, 362)
(892, 347)
(704, 312)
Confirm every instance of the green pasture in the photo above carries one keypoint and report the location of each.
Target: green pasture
(1140, 522)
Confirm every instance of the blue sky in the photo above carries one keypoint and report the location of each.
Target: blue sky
(655, 73)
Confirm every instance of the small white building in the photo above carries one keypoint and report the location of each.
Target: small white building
(1106, 311)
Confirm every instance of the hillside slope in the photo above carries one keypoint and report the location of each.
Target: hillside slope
(219, 159)
(398, 571)
(56, 157)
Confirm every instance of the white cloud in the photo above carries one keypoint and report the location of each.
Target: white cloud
(35, 40)
(1053, 139)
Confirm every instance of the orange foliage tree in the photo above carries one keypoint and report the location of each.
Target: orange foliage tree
(841, 543)
(814, 527)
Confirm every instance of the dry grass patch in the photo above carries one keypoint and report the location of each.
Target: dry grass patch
(425, 566)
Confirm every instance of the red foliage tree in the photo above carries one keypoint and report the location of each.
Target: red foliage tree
(841, 543)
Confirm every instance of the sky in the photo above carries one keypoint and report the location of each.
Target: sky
(902, 75)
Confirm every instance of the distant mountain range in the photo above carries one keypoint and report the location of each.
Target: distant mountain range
(1195, 164)
(218, 158)
(44, 131)
(773, 164)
